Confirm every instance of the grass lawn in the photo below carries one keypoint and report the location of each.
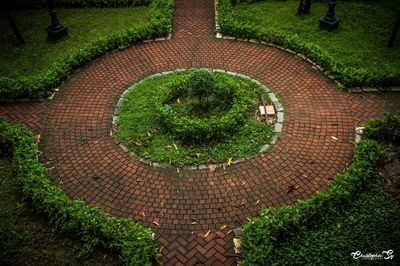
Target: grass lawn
(141, 129)
(26, 238)
(84, 26)
(360, 41)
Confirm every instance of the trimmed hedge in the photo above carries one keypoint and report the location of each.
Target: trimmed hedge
(349, 76)
(136, 243)
(385, 129)
(200, 129)
(40, 86)
(262, 235)
(27, 4)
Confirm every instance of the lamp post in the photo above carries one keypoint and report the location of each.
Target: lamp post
(329, 22)
(56, 31)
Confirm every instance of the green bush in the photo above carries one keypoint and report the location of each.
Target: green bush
(136, 243)
(384, 129)
(201, 84)
(349, 76)
(195, 126)
(263, 234)
(25, 4)
(41, 85)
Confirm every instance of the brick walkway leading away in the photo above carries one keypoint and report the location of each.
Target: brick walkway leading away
(76, 143)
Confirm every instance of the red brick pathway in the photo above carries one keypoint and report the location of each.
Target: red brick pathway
(75, 129)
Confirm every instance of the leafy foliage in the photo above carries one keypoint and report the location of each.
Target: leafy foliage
(336, 54)
(136, 243)
(41, 85)
(283, 235)
(23, 4)
(384, 129)
(201, 84)
(193, 126)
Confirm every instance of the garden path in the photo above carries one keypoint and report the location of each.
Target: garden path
(317, 140)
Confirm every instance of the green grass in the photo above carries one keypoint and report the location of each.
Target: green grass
(370, 225)
(141, 130)
(26, 238)
(84, 26)
(360, 41)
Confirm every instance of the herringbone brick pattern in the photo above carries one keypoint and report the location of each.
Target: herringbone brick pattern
(316, 143)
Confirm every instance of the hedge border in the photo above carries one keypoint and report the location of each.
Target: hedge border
(26, 4)
(262, 234)
(135, 243)
(349, 76)
(42, 85)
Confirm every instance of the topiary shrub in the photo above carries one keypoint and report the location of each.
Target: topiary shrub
(210, 109)
(201, 84)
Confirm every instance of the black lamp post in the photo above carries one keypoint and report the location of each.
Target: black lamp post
(56, 31)
(329, 22)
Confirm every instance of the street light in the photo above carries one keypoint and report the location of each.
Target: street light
(329, 22)
(56, 31)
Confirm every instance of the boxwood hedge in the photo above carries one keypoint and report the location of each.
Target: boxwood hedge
(135, 243)
(42, 85)
(349, 76)
(262, 235)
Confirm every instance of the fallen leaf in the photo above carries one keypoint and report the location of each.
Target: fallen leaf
(198, 154)
(177, 170)
(206, 234)
(248, 219)
(194, 221)
(292, 188)
(222, 227)
(156, 223)
(229, 162)
(334, 138)
(212, 167)
(141, 213)
(148, 134)
(162, 247)
(176, 147)
(110, 133)
(138, 142)
(243, 202)
(243, 182)
(178, 100)
(258, 201)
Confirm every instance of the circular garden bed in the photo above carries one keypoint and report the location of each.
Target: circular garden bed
(193, 117)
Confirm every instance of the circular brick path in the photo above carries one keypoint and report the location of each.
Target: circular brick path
(316, 143)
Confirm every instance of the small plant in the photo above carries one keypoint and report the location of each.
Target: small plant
(384, 129)
(201, 85)
(204, 109)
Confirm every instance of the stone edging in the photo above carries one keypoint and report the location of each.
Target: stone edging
(279, 118)
(315, 66)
